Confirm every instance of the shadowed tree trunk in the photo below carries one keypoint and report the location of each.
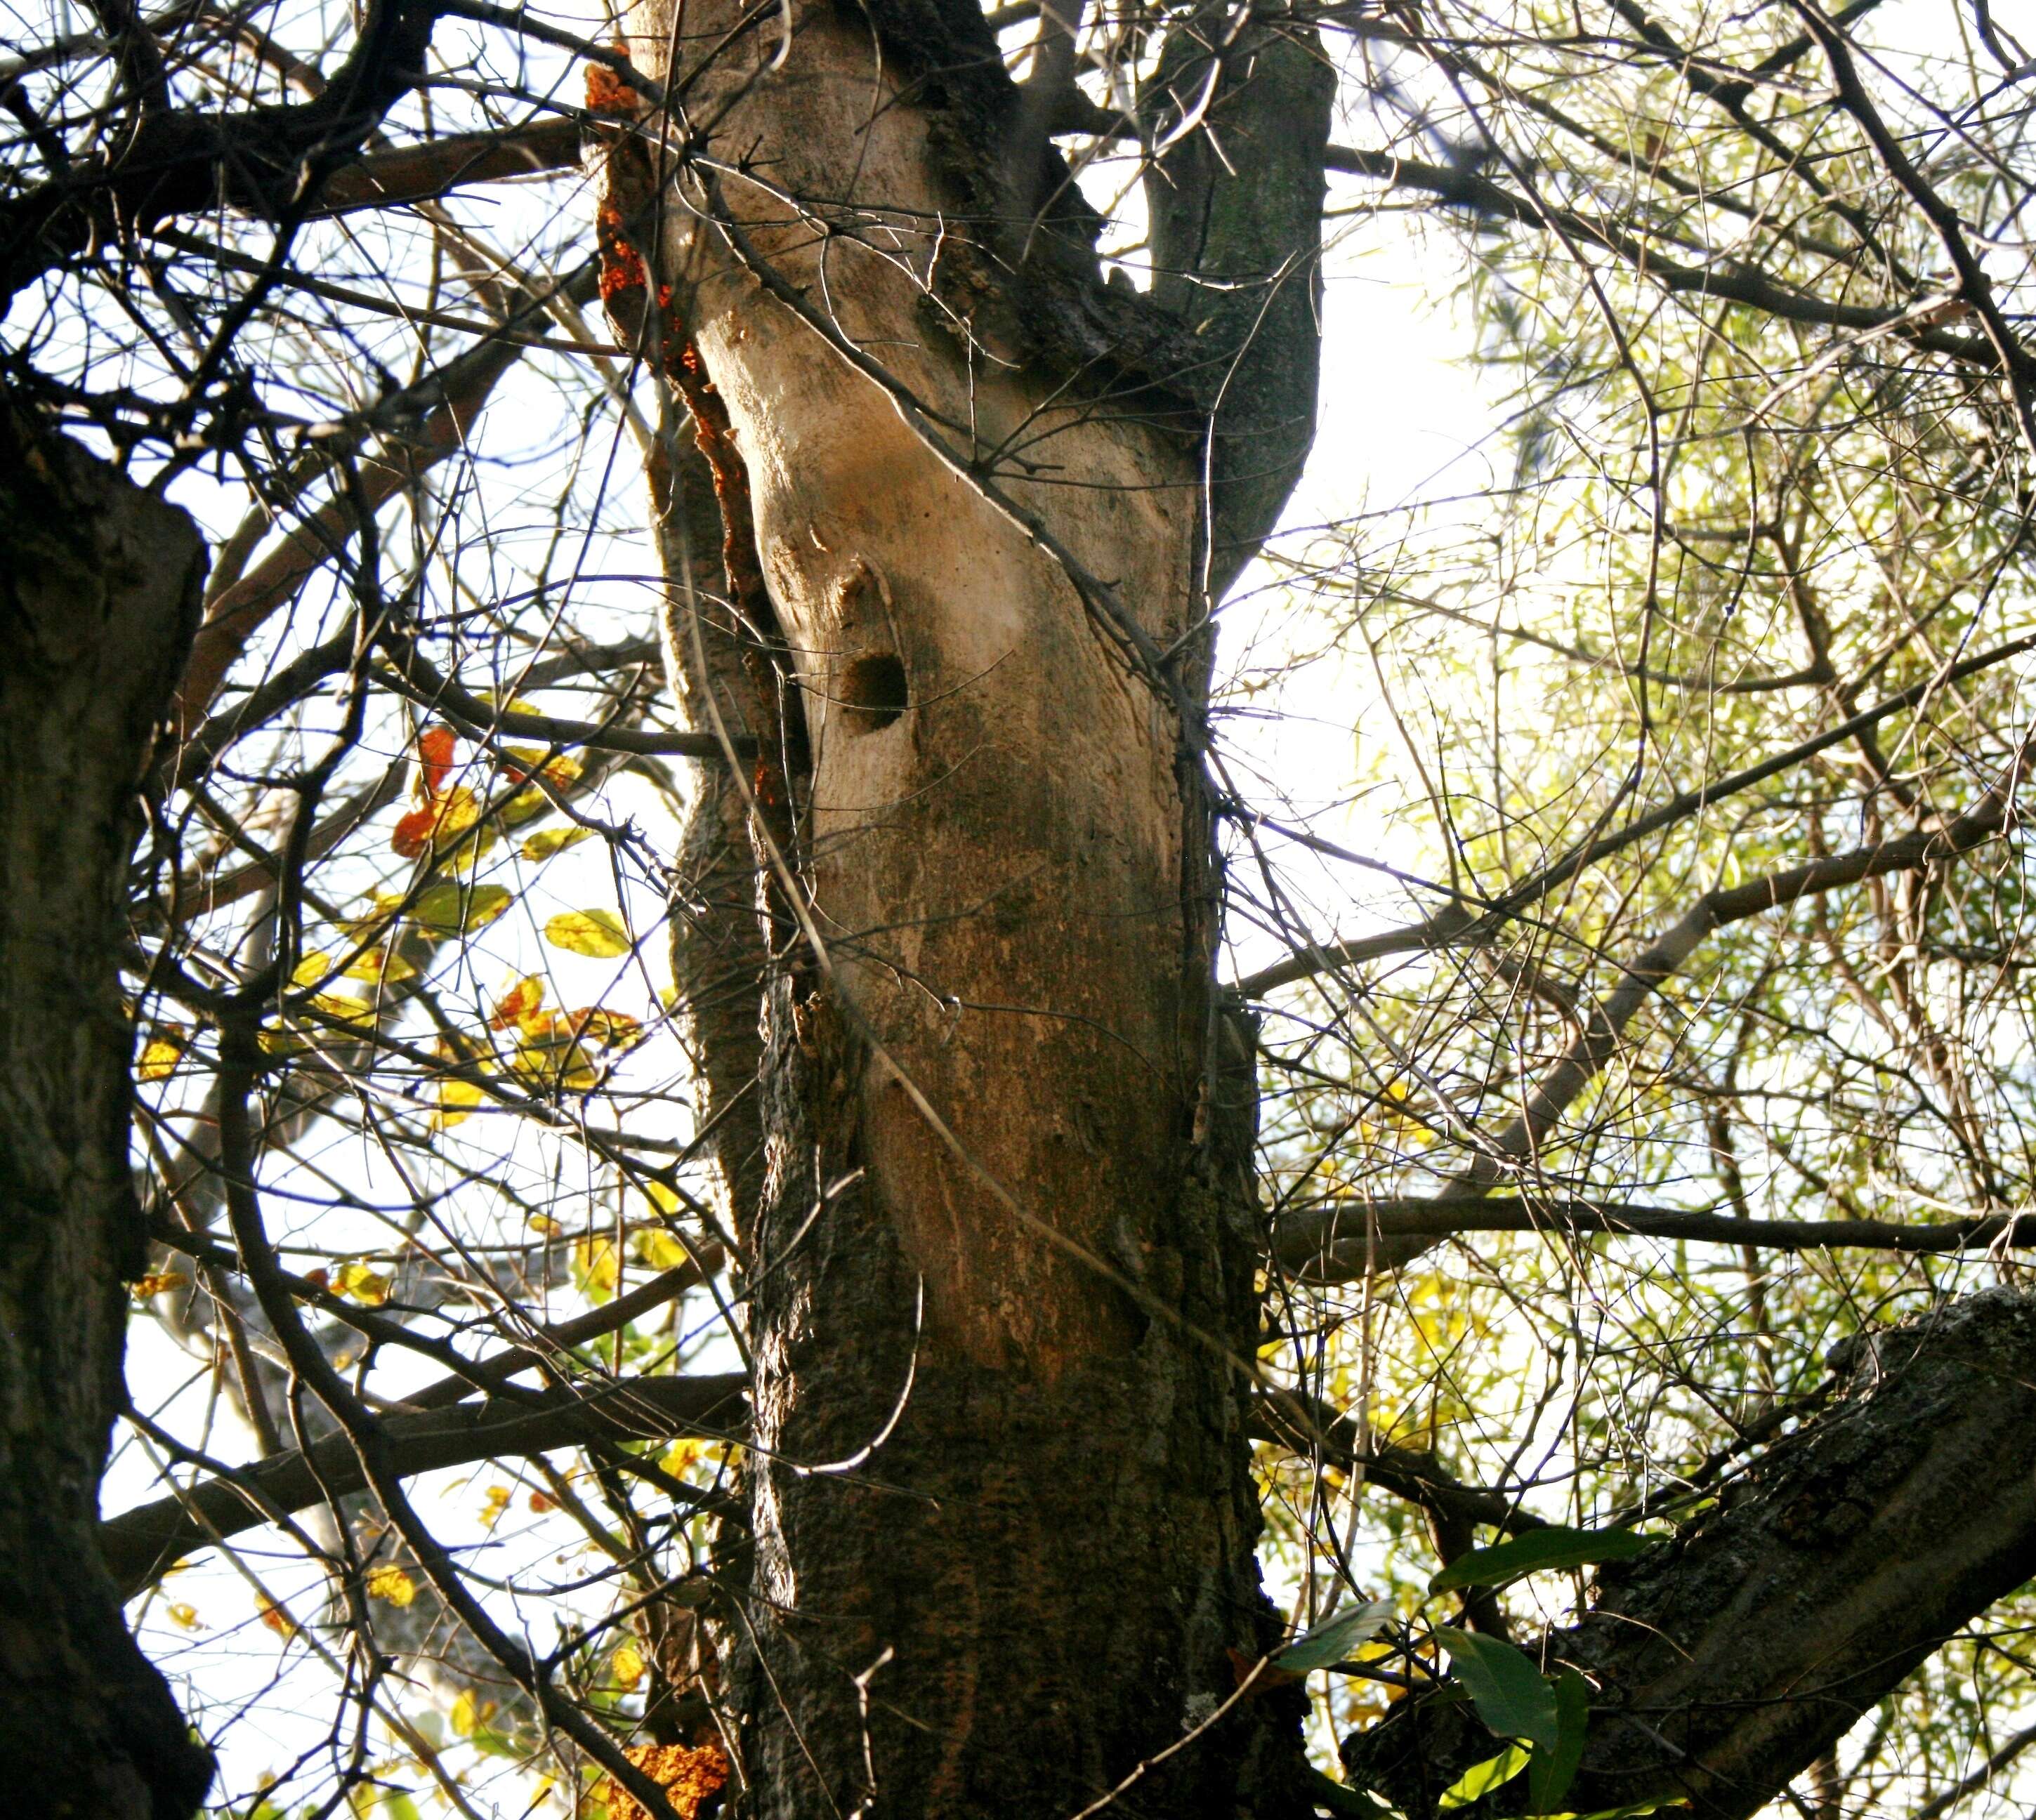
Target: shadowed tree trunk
(98, 601)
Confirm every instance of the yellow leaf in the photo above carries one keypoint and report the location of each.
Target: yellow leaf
(274, 1616)
(448, 909)
(185, 1617)
(344, 1007)
(392, 1585)
(659, 1249)
(312, 968)
(455, 1096)
(681, 1455)
(520, 1005)
(469, 1714)
(627, 1665)
(380, 966)
(494, 1504)
(546, 841)
(472, 850)
(159, 1059)
(543, 1222)
(156, 1282)
(660, 1196)
(599, 1263)
(367, 1286)
(596, 932)
(552, 1061)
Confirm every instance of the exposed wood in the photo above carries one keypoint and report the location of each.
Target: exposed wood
(992, 1251)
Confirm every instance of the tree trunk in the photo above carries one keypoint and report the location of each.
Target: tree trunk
(1001, 1273)
(1725, 1661)
(98, 602)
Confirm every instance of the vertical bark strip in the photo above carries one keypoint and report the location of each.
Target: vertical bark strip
(98, 601)
(1236, 210)
(1000, 1298)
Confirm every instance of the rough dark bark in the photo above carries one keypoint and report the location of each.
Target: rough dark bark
(1727, 1661)
(718, 951)
(98, 598)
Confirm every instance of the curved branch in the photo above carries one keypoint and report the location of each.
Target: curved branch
(269, 159)
(139, 1543)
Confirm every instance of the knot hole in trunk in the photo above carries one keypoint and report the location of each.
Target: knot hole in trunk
(872, 692)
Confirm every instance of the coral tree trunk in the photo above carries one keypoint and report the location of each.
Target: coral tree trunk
(98, 600)
(1000, 1276)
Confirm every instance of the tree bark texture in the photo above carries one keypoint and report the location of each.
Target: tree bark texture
(718, 671)
(1728, 1659)
(98, 598)
(1001, 1269)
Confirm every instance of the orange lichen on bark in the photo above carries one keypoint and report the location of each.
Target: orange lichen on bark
(689, 1778)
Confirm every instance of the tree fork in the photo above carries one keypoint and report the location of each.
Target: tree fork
(98, 605)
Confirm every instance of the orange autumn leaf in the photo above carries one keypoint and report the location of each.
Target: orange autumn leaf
(413, 832)
(519, 1004)
(438, 822)
(435, 747)
(603, 1028)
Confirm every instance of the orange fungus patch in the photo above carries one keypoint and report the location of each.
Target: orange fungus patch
(688, 1776)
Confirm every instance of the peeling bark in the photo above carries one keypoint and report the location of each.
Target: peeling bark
(98, 601)
(1725, 1661)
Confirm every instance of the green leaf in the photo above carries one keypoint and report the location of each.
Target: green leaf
(1553, 1771)
(597, 933)
(450, 909)
(1535, 1552)
(1504, 1685)
(1340, 1798)
(1481, 1779)
(1334, 1639)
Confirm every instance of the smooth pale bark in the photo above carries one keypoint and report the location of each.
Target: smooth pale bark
(98, 598)
(1727, 1661)
(1002, 1285)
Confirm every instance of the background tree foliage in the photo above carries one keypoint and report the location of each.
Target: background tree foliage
(1644, 990)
